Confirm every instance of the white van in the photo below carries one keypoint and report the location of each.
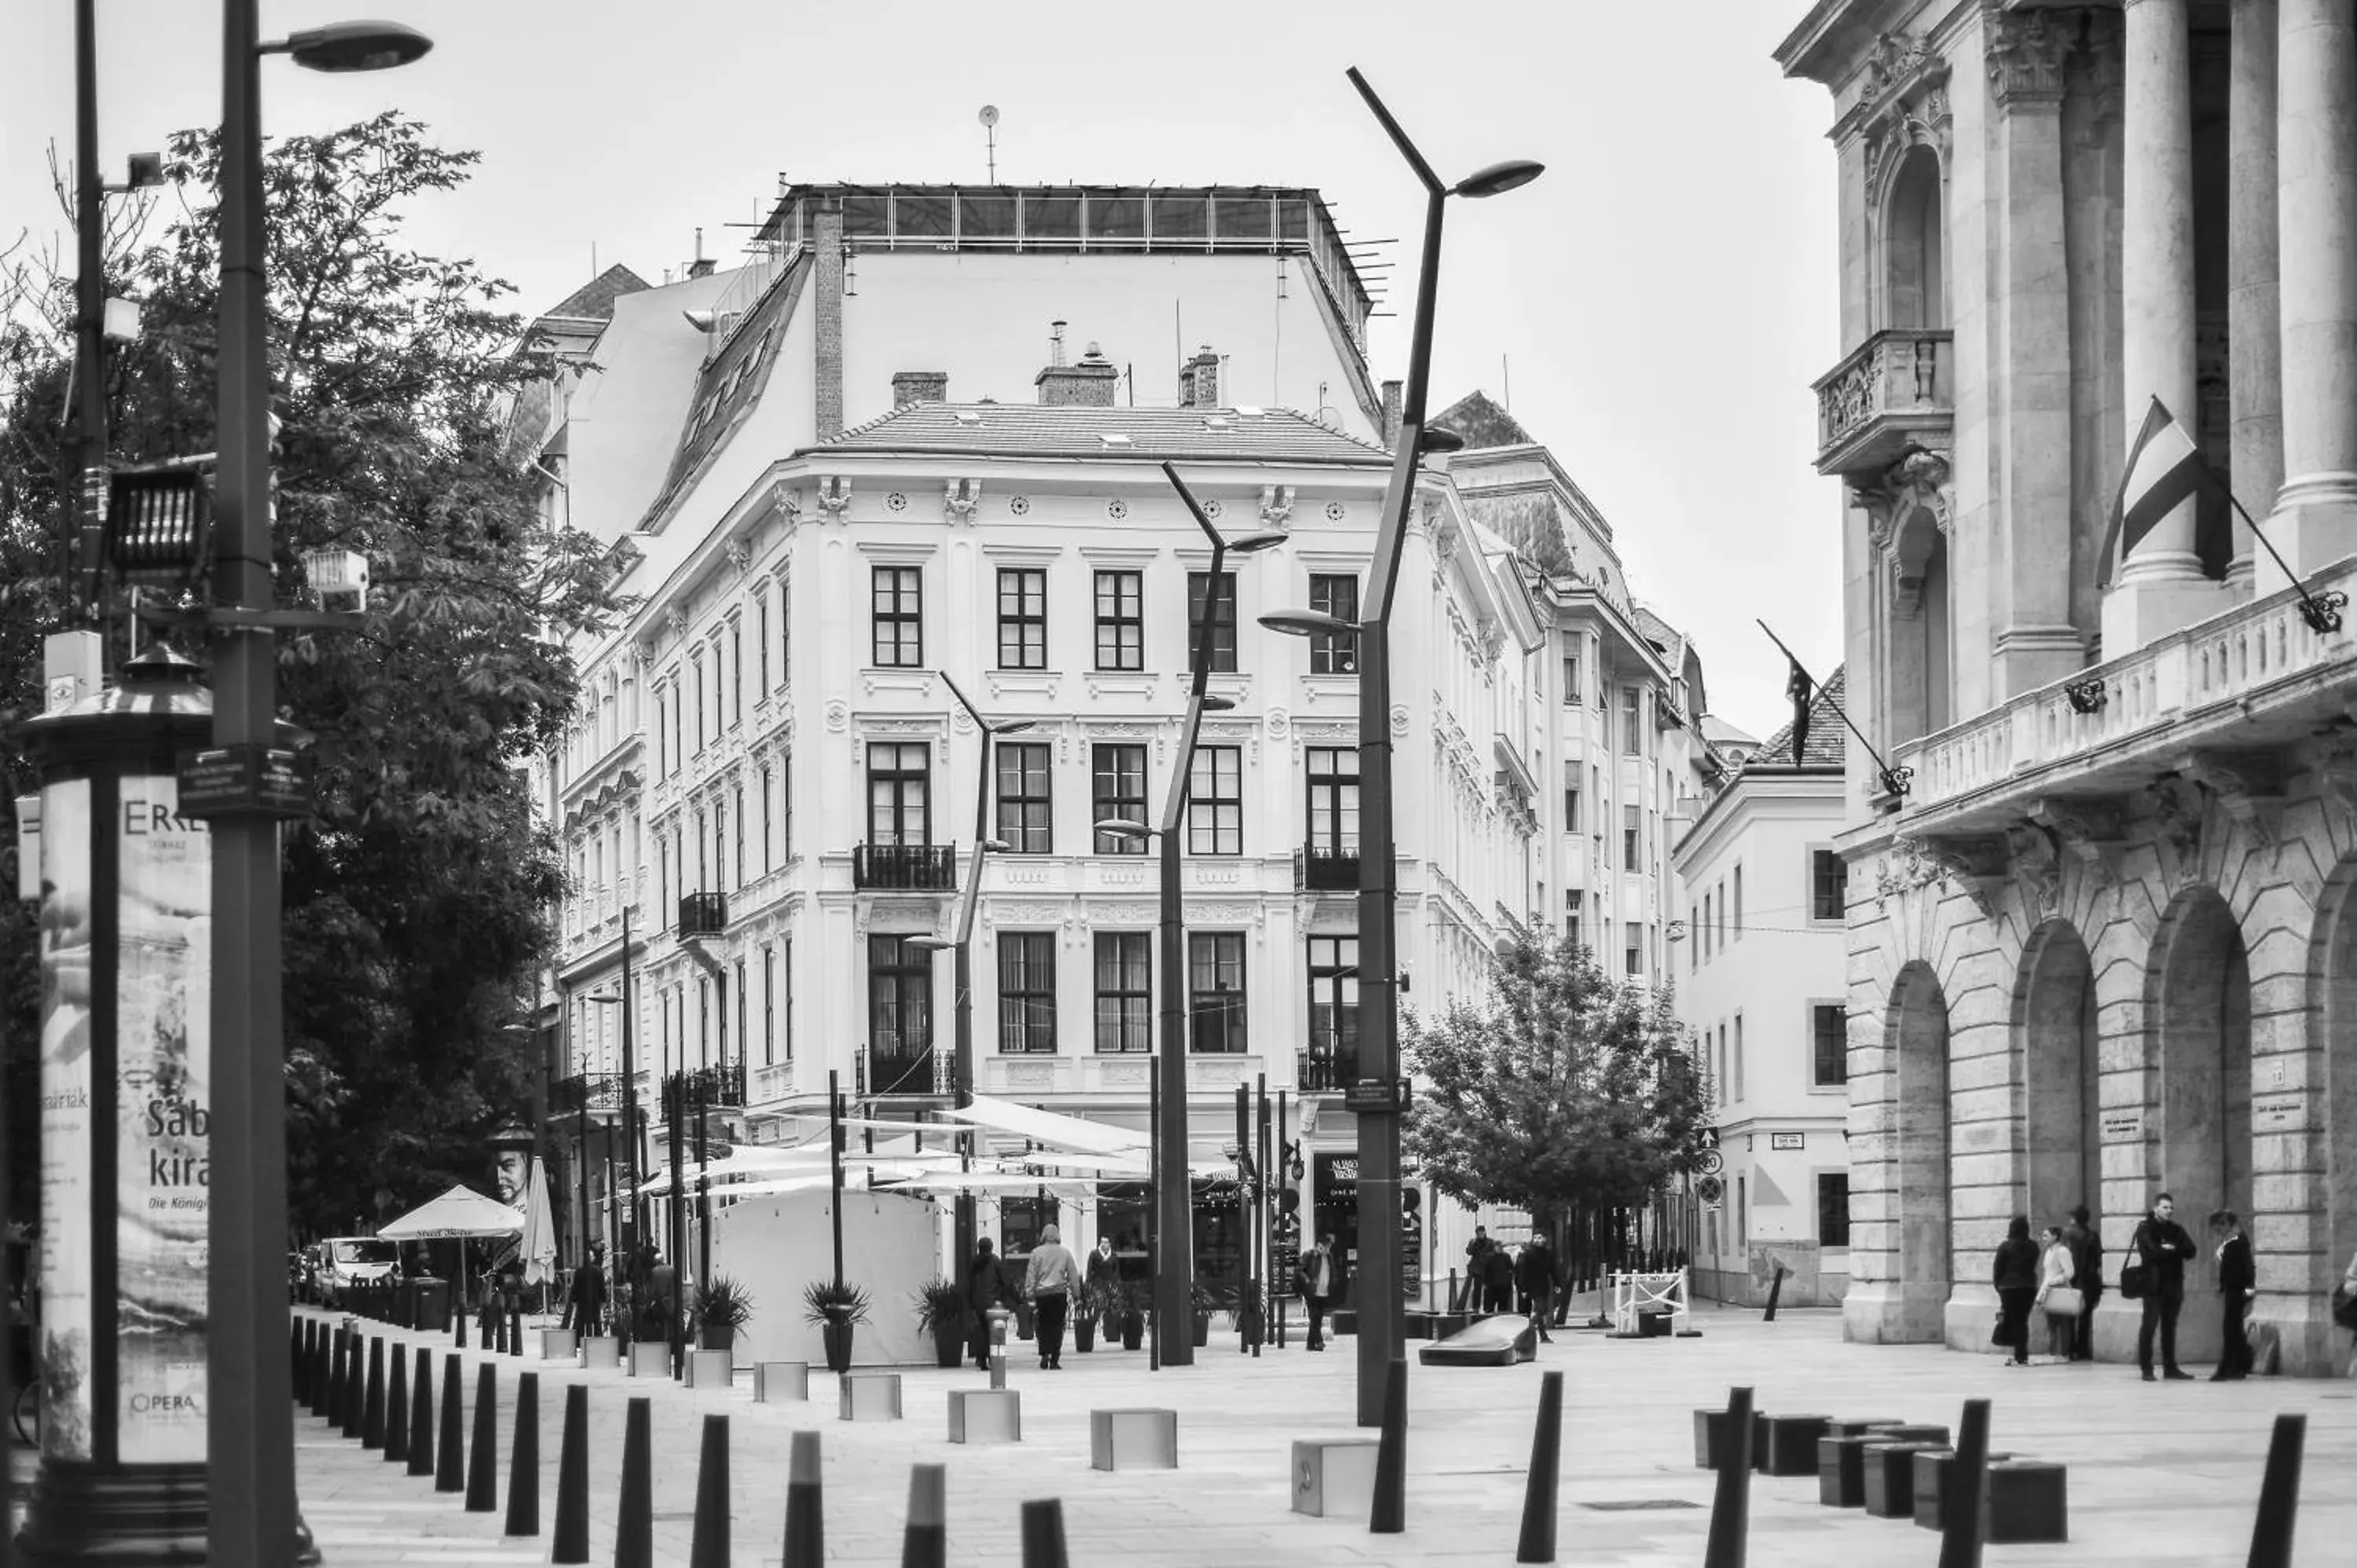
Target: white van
(349, 1261)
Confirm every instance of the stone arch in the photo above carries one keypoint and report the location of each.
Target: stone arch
(2197, 1026)
(1922, 668)
(1916, 1034)
(2054, 1024)
(2332, 1025)
(1914, 242)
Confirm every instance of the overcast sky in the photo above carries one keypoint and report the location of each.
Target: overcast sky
(1660, 302)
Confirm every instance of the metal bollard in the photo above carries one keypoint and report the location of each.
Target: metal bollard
(805, 1506)
(524, 1460)
(925, 1542)
(1389, 1514)
(998, 1317)
(1730, 1510)
(708, 1546)
(1537, 1542)
(2280, 1495)
(396, 1408)
(1960, 1528)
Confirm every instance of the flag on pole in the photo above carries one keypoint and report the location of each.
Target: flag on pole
(2164, 470)
(1801, 688)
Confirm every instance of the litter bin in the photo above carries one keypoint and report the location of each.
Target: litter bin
(1654, 1323)
(432, 1303)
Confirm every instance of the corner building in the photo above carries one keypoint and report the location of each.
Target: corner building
(2101, 942)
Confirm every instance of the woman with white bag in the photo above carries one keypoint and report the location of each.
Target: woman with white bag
(2057, 1297)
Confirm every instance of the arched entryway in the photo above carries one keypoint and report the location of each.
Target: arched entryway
(2200, 1017)
(1916, 1032)
(2054, 1017)
(2333, 970)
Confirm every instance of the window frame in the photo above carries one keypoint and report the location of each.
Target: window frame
(1821, 856)
(895, 600)
(1130, 1024)
(1034, 999)
(1344, 802)
(1826, 1237)
(1015, 825)
(1215, 802)
(910, 984)
(1334, 594)
(1325, 957)
(1819, 1059)
(1221, 599)
(1128, 629)
(1105, 807)
(1218, 955)
(900, 774)
(1029, 619)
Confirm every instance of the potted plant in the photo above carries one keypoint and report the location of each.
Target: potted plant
(1085, 1308)
(1135, 1300)
(836, 1306)
(1205, 1301)
(941, 1312)
(722, 1308)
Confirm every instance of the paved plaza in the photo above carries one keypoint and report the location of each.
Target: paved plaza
(2158, 1474)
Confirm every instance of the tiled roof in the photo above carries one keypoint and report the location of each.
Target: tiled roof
(1828, 738)
(1034, 430)
(594, 301)
(1482, 422)
(1662, 635)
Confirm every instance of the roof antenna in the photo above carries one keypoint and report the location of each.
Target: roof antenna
(1506, 376)
(989, 118)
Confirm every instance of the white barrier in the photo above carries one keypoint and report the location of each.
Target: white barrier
(1633, 1294)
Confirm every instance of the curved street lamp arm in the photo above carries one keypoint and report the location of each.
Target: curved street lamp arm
(1399, 138)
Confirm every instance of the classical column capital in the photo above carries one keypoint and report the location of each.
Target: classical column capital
(2026, 53)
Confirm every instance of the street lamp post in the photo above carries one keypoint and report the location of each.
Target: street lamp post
(251, 1446)
(1173, 1193)
(1381, 1317)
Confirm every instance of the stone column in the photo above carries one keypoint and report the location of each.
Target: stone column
(2159, 588)
(2315, 520)
(2030, 300)
(2253, 342)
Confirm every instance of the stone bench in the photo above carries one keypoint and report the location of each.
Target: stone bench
(601, 1353)
(1711, 1443)
(1334, 1478)
(1933, 1468)
(2028, 1501)
(649, 1360)
(985, 1415)
(777, 1382)
(1787, 1444)
(1889, 1467)
(1136, 1439)
(1841, 1468)
(869, 1396)
(711, 1368)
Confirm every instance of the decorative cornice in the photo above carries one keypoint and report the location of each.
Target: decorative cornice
(2088, 832)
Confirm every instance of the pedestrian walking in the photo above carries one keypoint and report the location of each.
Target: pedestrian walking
(2238, 1279)
(1498, 1279)
(2087, 1273)
(1049, 1282)
(986, 1288)
(2156, 1255)
(2057, 1298)
(1317, 1278)
(1534, 1277)
(586, 1302)
(2016, 1277)
(2344, 1308)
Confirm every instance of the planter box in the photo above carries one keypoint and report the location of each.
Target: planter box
(1791, 1448)
(1933, 1469)
(649, 1360)
(1145, 1439)
(1891, 1477)
(1841, 1470)
(2028, 1501)
(869, 1396)
(774, 1383)
(601, 1353)
(985, 1415)
(1334, 1478)
(559, 1343)
(711, 1368)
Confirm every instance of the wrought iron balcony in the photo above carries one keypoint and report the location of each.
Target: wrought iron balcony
(703, 914)
(924, 1071)
(713, 1087)
(1331, 1068)
(1895, 391)
(905, 867)
(1316, 869)
(600, 1093)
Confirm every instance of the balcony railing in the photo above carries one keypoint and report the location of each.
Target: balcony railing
(715, 1088)
(905, 867)
(925, 1071)
(1895, 391)
(703, 914)
(1321, 870)
(599, 1092)
(2217, 673)
(1324, 1069)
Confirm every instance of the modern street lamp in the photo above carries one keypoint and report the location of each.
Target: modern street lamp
(601, 999)
(250, 1444)
(1382, 1316)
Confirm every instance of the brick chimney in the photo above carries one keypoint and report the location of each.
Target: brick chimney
(826, 367)
(1088, 384)
(1199, 379)
(919, 386)
(1392, 414)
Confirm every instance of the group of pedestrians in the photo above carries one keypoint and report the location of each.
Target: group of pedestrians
(1499, 1279)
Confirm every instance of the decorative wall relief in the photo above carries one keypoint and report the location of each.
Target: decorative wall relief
(2037, 869)
(2247, 789)
(2087, 832)
(2178, 814)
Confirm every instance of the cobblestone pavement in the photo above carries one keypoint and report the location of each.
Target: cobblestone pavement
(2159, 1474)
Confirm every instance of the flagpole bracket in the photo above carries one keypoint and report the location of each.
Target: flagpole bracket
(2088, 696)
(1895, 780)
(2323, 611)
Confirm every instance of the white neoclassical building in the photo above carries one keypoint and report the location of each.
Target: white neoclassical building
(2101, 928)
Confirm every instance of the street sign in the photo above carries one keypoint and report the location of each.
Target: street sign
(267, 780)
(1707, 1137)
(1709, 1189)
(1376, 1097)
(1710, 1162)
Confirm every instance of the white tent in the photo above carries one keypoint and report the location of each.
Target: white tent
(459, 1213)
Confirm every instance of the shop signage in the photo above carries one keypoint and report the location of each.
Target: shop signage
(1787, 1140)
(2279, 1113)
(266, 779)
(2124, 1126)
(1376, 1097)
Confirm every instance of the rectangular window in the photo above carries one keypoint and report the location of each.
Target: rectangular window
(703, 856)
(736, 878)
(695, 665)
(1022, 618)
(678, 719)
(1118, 795)
(741, 1014)
(1333, 775)
(663, 880)
(1222, 612)
(1738, 1058)
(1633, 737)
(1120, 620)
(1024, 810)
(785, 635)
(1571, 695)
(1571, 808)
(1739, 901)
(1124, 980)
(899, 793)
(1215, 802)
(1828, 885)
(1334, 652)
(899, 1016)
(1632, 953)
(786, 1009)
(663, 736)
(1632, 834)
(786, 806)
(761, 640)
(1693, 940)
(1027, 992)
(1333, 1059)
(769, 802)
(736, 672)
(768, 1006)
(1215, 993)
(1571, 932)
(1829, 1029)
(899, 602)
(1833, 1208)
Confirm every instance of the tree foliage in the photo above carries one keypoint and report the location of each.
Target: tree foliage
(417, 900)
(1559, 1089)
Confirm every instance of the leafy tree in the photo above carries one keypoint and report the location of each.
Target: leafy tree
(1560, 1091)
(417, 900)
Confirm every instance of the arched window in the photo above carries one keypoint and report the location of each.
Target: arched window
(1913, 245)
(1922, 668)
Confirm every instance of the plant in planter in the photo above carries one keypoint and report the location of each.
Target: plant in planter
(1205, 1301)
(836, 1308)
(722, 1308)
(1085, 1312)
(1134, 1299)
(941, 1312)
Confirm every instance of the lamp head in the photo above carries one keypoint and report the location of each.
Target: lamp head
(995, 846)
(1499, 178)
(1015, 727)
(1304, 623)
(928, 944)
(1254, 544)
(1438, 441)
(1215, 704)
(1123, 828)
(356, 46)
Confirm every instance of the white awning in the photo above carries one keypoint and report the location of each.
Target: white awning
(1049, 1127)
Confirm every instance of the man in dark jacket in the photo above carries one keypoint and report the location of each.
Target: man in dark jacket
(587, 1301)
(986, 1287)
(2087, 1275)
(2161, 1245)
(1498, 1279)
(2238, 1277)
(1534, 1277)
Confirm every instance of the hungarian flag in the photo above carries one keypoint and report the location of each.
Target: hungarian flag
(1800, 688)
(2163, 471)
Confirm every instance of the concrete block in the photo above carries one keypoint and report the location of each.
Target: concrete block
(985, 1415)
(649, 1360)
(1334, 1478)
(1789, 1445)
(710, 1369)
(559, 1343)
(601, 1353)
(1857, 1426)
(2028, 1501)
(1933, 1467)
(1711, 1438)
(869, 1396)
(1137, 1439)
(1889, 1470)
(775, 1382)
(1841, 1469)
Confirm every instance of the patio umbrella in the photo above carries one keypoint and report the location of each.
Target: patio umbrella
(539, 1246)
(461, 1211)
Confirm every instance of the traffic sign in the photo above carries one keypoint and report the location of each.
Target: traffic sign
(1710, 1162)
(1709, 1189)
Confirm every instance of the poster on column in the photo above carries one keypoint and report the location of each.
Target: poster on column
(66, 952)
(163, 1170)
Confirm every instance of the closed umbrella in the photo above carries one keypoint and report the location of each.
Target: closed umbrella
(539, 1247)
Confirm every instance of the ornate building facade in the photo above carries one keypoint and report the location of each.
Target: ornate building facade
(2100, 931)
